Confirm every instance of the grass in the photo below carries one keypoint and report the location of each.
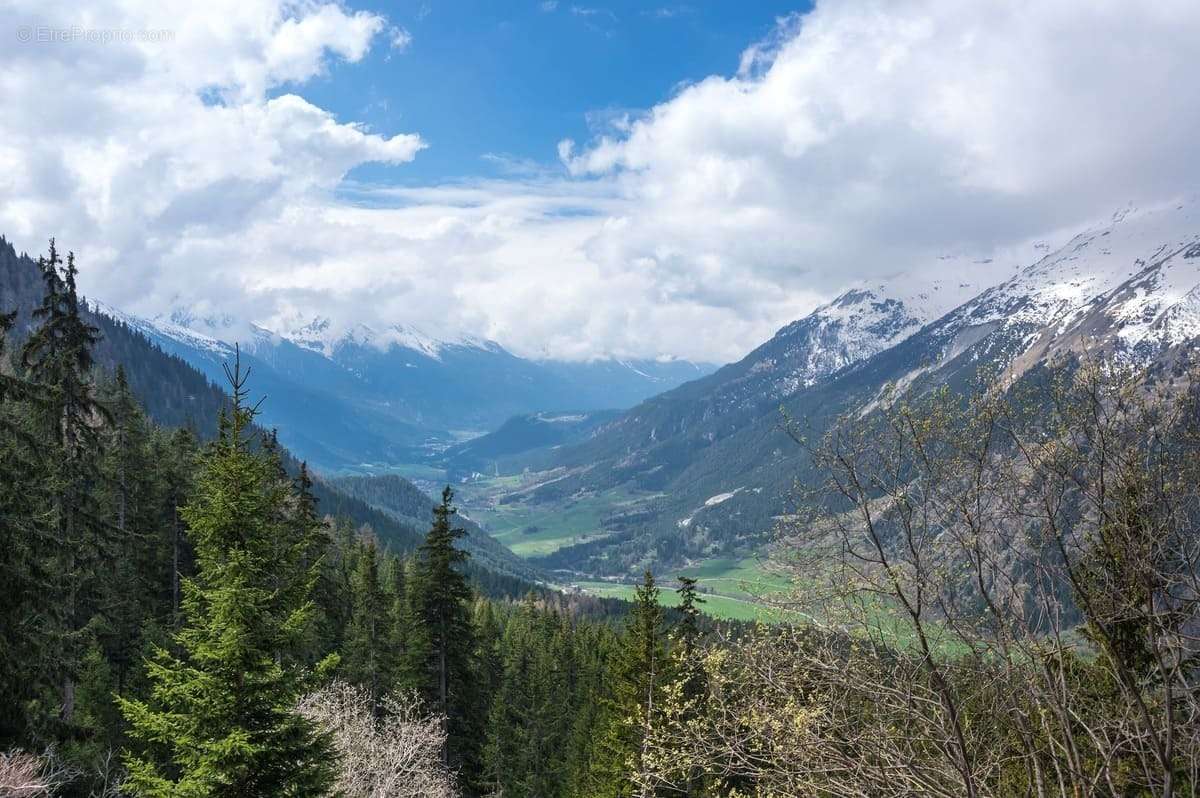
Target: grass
(533, 530)
(415, 472)
(718, 606)
(747, 578)
(732, 589)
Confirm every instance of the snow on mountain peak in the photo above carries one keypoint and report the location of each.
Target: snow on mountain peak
(164, 327)
(1136, 277)
(856, 325)
(319, 334)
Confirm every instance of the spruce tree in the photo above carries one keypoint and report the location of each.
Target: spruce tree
(25, 541)
(439, 655)
(222, 719)
(637, 678)
(58, 358)
(364, 660)
(396, 596)
(129, 507)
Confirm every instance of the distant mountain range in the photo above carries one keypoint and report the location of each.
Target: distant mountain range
(366, 398)
(704, 450)
(174, 394)
(712, 455)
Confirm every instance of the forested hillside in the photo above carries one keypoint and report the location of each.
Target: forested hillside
(995, 594)
(176, 395)
(184, 616)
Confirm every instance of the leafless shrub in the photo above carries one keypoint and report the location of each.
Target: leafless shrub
(390, 751)
(1010, 583)
(24, 775)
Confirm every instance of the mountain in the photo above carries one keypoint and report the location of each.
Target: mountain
(365, 397)
(512, 447)
(714, 462)
(311, 401)
(175, 394)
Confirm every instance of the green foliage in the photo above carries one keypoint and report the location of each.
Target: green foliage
(639, 671)
(181, 602)
(364, 661)
(222, 719)
(439, 659)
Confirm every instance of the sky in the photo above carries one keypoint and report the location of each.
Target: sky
(577, 180)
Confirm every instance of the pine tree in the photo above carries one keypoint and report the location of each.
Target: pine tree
(222, 718)
(364, 662)
(58, 358)
(439, 659)
(637, 679)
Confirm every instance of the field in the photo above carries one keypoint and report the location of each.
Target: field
(532, 530)
(731, 589)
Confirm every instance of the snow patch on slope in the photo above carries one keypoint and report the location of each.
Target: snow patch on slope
(712, 501)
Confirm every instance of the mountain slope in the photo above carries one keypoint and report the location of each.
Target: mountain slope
(715, 450)
(175, 394)
(514, 444)
(370, 397)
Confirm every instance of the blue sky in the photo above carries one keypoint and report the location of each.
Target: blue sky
(279, 160)
(512, 79)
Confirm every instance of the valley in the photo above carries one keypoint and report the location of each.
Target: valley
(688, 468)
(606, 399)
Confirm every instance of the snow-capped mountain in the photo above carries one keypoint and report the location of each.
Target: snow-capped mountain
(1129, 287)
(347, 398)
(320, 335)
(853, 327)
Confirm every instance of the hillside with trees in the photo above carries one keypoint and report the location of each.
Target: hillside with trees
(994, 593)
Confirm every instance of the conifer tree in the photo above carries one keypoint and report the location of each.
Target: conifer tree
(222, 719)
(395, 594)
(129, 509)
(178, 454)
(364, 660)
(439, 655)
(25, 538)
(58, 358)
(637, 679)
(689, 671)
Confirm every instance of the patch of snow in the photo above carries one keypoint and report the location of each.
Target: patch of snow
(712, 501)
(562, 418)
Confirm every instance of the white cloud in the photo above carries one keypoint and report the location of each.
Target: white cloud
(866, 138)
(401, 38)
(860, 141)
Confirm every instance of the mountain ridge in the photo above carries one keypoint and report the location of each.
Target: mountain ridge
(360, 401)
(1129, 288)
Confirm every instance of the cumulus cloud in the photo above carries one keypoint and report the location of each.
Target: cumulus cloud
(862, 141)
(865, 139)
